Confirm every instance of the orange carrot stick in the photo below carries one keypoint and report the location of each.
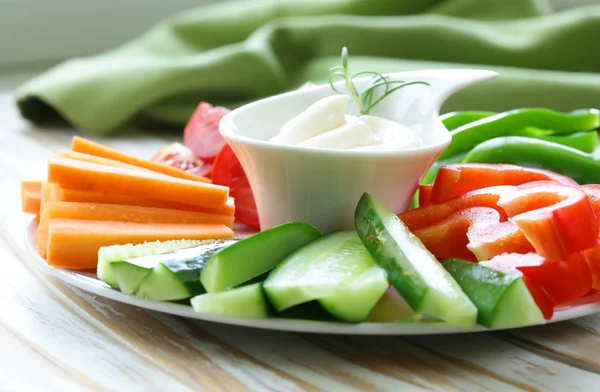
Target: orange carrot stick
(62, 193)
(79, 156)
(111, 212)
(31, 196)
(75, 243)
(80, 144)
(100, 178)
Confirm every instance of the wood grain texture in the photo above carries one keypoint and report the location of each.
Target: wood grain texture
(61, 338)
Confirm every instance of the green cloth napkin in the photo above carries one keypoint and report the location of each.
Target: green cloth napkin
(232, 53)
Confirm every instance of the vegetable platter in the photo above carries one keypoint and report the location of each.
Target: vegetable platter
(498, 228)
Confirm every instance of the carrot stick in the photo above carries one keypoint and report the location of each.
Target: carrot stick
(79, 156)
(100, 178)
(62, 193)
(111, 212)
(31, 196)
(75, 243)
(82, 145)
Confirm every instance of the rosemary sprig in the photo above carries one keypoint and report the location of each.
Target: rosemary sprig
(364, 100)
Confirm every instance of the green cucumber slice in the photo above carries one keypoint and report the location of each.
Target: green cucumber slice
(390, 308)
(129, 276)
(255, 255)
(502, 299)
(176, 275)
(336, 270)
(111, 254)
(245, 301)
(417, 275)
(360, 296)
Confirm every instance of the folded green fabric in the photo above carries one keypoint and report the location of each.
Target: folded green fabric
(237, 52)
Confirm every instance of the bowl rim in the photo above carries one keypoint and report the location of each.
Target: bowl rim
(228, 127)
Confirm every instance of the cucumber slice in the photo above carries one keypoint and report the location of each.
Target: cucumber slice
(360, 296)
(245, 301)
(255, 255)
(502, 299)
(129, 276)
(417, 275)
(176, 275)
(336, 270)
(110, 254)
(390, 308)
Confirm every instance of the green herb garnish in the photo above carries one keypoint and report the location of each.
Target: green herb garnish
(364, 100)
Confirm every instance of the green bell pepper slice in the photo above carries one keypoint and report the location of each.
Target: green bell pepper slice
(455, 120)
(470, 135)
(582, 167)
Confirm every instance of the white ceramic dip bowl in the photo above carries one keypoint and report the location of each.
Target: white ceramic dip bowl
(322, 186)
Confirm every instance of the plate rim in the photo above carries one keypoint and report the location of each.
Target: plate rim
(95, 286)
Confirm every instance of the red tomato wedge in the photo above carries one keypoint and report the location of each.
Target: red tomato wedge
(201, 134)
(473, 234)
(181, 157)
(425, 195)
(456, 179)
(557, 219)
(228, 171)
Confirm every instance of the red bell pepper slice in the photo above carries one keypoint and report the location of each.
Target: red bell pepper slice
(558, 220)
(473, 234)
(563, 281)
(489, 240)
(457, 179)
(425, 195)
(422, 217)
(592, 258)
(593, 193)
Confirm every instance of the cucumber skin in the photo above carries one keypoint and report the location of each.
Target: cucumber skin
(484, 286)
(296, 233)
(188, 271)
(371, 229)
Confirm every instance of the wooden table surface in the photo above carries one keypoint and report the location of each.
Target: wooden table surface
(54, 337)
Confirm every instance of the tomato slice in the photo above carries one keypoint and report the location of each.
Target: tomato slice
(473, 234)
(557, 219)
(453, 180)
(425, 195)
(201, 133)
(181, 157)
(228, 171)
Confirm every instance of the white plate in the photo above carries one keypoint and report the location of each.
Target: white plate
(88, 281)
